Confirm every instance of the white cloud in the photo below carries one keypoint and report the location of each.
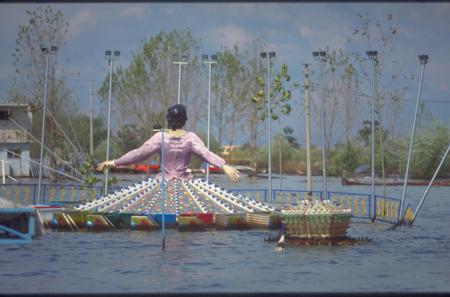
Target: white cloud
(82, 20)
(134, 11)
(229, 35)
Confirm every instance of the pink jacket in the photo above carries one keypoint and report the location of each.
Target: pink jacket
(177, 153)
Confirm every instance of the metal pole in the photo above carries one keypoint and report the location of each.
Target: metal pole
(308, 133)
(91, 119)
(270, 128)
(163, 189)
(109, 123)
(3, 171)
(322, 120)
(44, 109)
(209, 116)
(372, 150)
(429, 185)
(423, 62)
(179, 82)
(280, 144)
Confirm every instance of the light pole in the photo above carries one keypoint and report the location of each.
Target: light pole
(47, 52)
(308, 134)
(423, 59)
(110, 57)
(208, 62)
(373, 56)
(183, 61)
(321, 56)
(269, 56)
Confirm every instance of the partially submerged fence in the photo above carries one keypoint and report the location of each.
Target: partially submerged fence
(386, 208)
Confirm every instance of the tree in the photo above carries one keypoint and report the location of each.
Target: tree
(44, 27)
(148, 86)
(381, 35)
(280, 95)
(430, 144)
(288, 131)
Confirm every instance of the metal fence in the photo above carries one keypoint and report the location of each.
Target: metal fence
(26, 194)
(386, 208)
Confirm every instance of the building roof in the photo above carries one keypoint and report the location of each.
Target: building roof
(13, 104)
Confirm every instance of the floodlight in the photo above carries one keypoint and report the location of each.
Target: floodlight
(423, 59)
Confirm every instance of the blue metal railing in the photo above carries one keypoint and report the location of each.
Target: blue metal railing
(386, 208)
(26, 194)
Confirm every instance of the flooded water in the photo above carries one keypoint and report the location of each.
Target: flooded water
(408, 259)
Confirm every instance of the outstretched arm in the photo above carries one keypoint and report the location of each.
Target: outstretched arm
(146, 150)
(201, 151)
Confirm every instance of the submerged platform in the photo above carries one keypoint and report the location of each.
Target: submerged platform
(195, 205)
(189, 205)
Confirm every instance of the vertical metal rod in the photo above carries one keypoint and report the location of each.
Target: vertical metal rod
(179, 83)
(308, 134)
(209, 117)
(270, 128)
(429, 185)
(44, 110)
(280, 144)
(322, 120)
(3, 171)
(372, 150)
(405, 183)
(109, 123)
(91, 119)
(163, 189)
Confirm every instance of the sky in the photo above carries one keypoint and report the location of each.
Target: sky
(292, 30)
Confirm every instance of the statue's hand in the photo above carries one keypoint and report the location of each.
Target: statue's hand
(231, 172)
(104, 164)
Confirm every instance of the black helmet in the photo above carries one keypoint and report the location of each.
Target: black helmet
(176, 114)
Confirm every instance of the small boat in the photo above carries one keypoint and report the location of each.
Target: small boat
(391, 182)
(144, 168)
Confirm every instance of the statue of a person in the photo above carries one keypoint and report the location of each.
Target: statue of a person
(179, 145)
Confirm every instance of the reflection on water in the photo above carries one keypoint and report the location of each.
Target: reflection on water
(408, 259)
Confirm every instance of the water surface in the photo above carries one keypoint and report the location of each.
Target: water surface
(409, 259)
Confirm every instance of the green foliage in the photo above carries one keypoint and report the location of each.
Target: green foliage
(365, 133)
(280, 94)
(114, 149)
(344, 159)
(145, 88)
(129, 138)
(288, 132)
(430, 145)
(87, 169)
(44, 26)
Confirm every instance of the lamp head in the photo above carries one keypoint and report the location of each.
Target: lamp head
(423, 59)
(372, 55)
(271, 55)
(263, 55)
